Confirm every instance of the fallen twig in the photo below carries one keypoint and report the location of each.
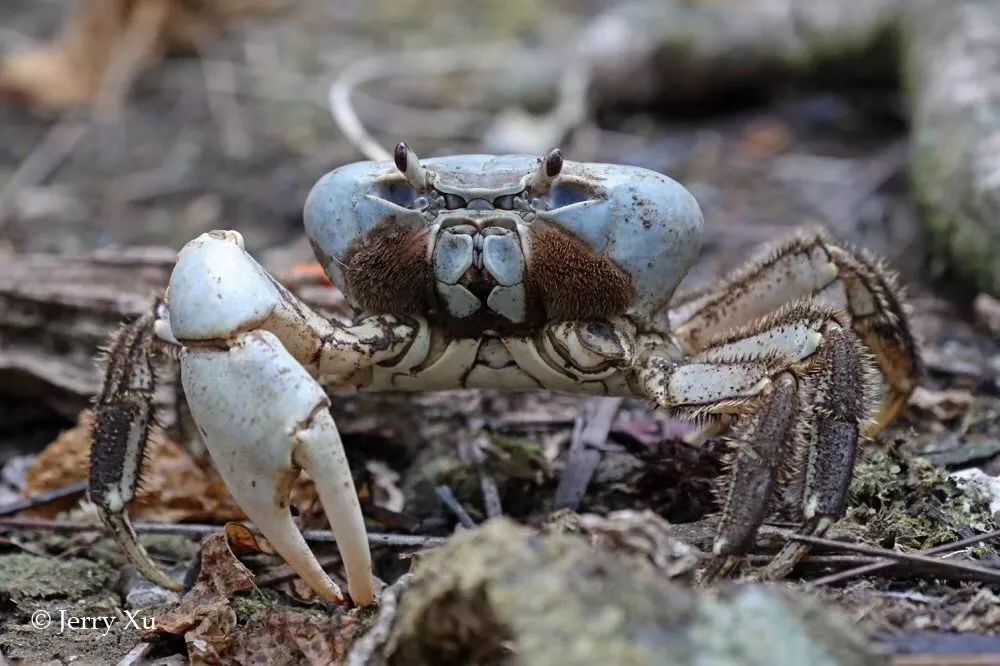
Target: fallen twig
(981, 573)
(42, 499)
(286, 573)
(491, 494)
(136, 655)
(885, 563)
(200, 529)
(589, 434)
(365, 647)
(451, 502)
(41, 162)
(424, 63)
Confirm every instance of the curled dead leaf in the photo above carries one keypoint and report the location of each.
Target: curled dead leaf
(242, 540)
(173, 486)
(205, 617)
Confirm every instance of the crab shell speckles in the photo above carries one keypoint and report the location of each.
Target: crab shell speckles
(598, 240)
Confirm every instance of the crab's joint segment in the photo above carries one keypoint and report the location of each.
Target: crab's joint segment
(839, 409)
(761, 444)
(123, 419)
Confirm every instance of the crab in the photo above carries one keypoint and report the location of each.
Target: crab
(510, 272)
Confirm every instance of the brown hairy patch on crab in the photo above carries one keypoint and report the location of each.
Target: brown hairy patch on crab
(387, 271)
(566, 280)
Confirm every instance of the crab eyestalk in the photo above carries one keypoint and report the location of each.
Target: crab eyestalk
(548, 168)
(409, 164)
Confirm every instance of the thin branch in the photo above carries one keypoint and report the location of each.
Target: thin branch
(41, 162)
(438, 62)
(201, 529)
(590, 434)
(42, 499)
(449, 500)
(286, 573)
(886, 563)
(981, 573)
(364, 648)
(491, 493)
(136, 655)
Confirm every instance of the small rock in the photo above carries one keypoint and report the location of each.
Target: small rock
(150, 595)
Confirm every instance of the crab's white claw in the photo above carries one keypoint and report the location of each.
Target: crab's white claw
(263, 417)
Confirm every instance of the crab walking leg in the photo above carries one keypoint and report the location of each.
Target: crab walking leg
(811, 265)
(263, 417)
(123, 419)
(762, 444)
(841, 402)
(794, 379)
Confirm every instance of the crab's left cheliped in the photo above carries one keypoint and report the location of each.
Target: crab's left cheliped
(248, 368)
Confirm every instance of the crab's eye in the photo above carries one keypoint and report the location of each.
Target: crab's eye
(506, 202)
(453, 201)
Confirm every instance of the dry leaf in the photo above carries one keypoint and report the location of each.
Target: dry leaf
(278, 637)
(385, 486)
(243, 541)
(106, 45)
(643, 533)
(173, 486)
(205, 617)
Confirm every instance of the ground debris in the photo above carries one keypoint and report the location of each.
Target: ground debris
(221, 625)
(279, 637)
(642, 533)
(37, 589)
(900, 499)
(205, 617)
(173, 486)
(552, 598)
(25, 577)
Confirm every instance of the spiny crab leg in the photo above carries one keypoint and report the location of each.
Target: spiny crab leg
(811, 265)
(123, 419)
(800, 385)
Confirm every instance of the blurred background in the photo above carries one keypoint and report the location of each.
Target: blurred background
(233, 131)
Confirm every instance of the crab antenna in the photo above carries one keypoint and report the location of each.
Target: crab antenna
(407, 161)
(548, 168)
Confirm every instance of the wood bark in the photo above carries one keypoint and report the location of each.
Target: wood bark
(952, 74)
